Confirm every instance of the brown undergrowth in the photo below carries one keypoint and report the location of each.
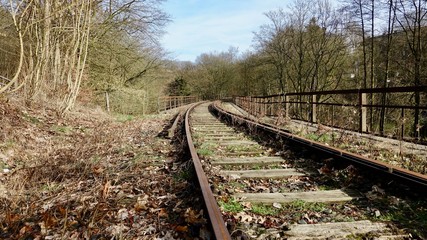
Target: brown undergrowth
(89, 176)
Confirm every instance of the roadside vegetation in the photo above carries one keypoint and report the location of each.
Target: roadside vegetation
(92, 175)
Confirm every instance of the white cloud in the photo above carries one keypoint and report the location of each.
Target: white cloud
(193, 34)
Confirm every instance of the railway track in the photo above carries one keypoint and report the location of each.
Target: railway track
(254, 191)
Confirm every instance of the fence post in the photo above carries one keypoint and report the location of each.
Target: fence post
(287, 106)
(257, 107)
(264, 107)
(362, 112)
(402, 124)
(314, 109)
(251, 99)
(333, 116)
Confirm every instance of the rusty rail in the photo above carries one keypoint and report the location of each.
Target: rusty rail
(402, 173)
(215, 215)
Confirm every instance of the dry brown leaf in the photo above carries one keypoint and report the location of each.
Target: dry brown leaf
(106, 189)
(97, 170)
(181, 229)
(193, 217)
(163, 213)
(141, 204)
(49, 220)
(62, 210)
(25, 229)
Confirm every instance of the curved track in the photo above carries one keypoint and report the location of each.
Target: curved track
(237, 171)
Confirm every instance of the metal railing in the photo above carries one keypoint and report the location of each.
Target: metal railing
(383, 111)
(169, 102)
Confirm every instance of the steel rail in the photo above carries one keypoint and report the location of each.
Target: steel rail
(215, 215)
(406, 174)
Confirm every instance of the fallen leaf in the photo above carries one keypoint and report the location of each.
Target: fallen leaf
(49, 220)
(277, 205)
(97, 170)
(106, 189)
(192, 217)
(247, 205)
(141, 204)
(123, 214)
(181, 229)
(163, 213)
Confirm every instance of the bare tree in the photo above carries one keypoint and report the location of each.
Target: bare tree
(362, 12)
(411, 16)
(17, 11)
(53, 38)
(273, 41)
(124, 47)
(391, 19)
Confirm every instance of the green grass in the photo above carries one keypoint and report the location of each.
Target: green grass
(325, 188)
(31, 118)
(235, 185)
(50, 187)
(95, 159)
(204, 152)
(3, 165)
(231, 206)
(206, 149)
(62, 129)
(326, 138)
(264, 209)
(300, 205)
(183, 175)
(124, 117)
(412, 215)
(7, 144)
(243, 148)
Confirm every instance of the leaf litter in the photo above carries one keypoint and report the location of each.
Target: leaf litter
(88, 176)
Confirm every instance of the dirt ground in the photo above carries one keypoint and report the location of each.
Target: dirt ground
(91, 175)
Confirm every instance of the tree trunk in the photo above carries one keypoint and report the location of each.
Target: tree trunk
(390, 29)
(107, 101)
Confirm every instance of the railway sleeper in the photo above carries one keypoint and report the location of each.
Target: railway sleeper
(264, 173)
(230, 148)
(243, 161)
(329, 196)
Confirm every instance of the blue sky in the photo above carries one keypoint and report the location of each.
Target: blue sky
(203, 26)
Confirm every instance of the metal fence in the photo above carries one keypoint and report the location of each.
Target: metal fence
(169, 102)
(383, 111)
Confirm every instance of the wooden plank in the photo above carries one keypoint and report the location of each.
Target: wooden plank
(214, 134)
(237, 143)
(211, 126)
(216, 138)
(214, 130)
(245, 153)
(247, 161)
(264, 173)
(339, 230)
(314, 196)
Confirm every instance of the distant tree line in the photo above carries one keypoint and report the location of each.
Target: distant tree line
(50, 49)
(314, 46)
